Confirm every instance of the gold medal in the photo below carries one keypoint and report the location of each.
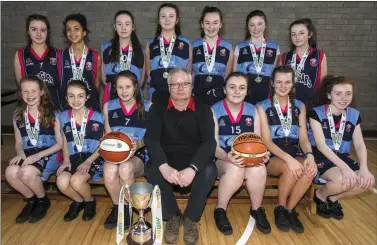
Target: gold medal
(209, 79)
(258, 79)
(165, 75)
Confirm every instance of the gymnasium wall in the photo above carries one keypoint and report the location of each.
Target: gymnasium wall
(346, 32)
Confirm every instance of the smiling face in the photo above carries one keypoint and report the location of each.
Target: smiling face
(256, 27)
(31, 93)
(236, 89)
(341, 96)
(168, 18)
(282, 83)
(124, 26)
(76, 97)
(211, 24)
(38, 31)
(300, 35)
(75, 32)
(125, 89)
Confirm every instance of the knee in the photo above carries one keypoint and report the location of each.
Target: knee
(12, 173)
(209, 172)
(110, 175)
(62, 182)
(126, 171)
(309, 176)
(27, 174)
(76, 181)
(257, 173)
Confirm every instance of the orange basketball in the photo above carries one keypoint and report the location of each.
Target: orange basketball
(251, 147)
(115, 147)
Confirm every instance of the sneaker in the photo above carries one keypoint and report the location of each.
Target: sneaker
(89, 210)
(222, 222)
(112, 220)
(73, 211)
(335, 209)
(40, 211)
(281, 218)
(294, 222)
(171, 232)
(190, 231)
(322, 207)
(27, 210)
(261, 220)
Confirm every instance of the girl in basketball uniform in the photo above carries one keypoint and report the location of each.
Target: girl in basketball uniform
(39, 57)
(256, 57)
(127, 114)
(233, 116)
(334, 127)
(123, 52)
(82, 129)
(283, 120)
(167, 50)
(77, 61)
(211, 58)
(38, 140)
(309, 63)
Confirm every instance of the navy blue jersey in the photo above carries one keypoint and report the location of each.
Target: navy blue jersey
(44, 67)
(93, 132)
(89, 75)
(230, 127)
(111, 69)
(180, 58)
(352, 119)
(311, 75)
(127, 121)
(257, 91)
(209, 85)
(276, 129)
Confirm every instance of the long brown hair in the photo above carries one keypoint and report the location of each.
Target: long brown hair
(327, 86)
(45, 108)
(137, 93)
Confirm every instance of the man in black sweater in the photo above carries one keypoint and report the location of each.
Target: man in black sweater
(181, 144)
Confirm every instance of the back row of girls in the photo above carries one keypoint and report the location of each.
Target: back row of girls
(210, 58)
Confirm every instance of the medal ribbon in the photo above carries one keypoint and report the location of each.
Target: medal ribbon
(125, 63)
(79, 138)
(166, 57)
(77, 72)
(258, 63)
(286, 122)
(337, 137)
(210, 60)
(300, 66)
(32, 133)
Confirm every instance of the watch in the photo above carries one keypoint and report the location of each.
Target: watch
(193, 167)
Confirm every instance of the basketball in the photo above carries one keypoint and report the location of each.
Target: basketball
(251, 147)
(115, 147)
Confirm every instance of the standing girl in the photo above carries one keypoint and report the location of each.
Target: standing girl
(334, 126)
(82, 129)
(39, 57)
(77, 61)
(283, 120)
(256, 57)
(233, 116)
(38, 140)
(166, 51)
(128, 114)
(212, 58)
(309, 63)
(123, 52)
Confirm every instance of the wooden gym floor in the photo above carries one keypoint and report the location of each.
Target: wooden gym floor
(358, 227)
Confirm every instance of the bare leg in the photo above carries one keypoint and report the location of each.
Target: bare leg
(31, 177)
(334, 185)
(255, 184)
(79, 183)
(112, 180)
(130, 170)
(63, 183)
(13, 178)
(352, 192)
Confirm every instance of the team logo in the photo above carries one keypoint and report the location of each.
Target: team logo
(320, 165)
(271, 113)
(248, 121)
(221, 123)
(198, 52)
(67, 129)
(47, 78)
(53, 61)
(289, 62)
(95, 127)
(180, 45)
(245, 52)
(348, 128)
(115, 115)
(29, 62)
(270, 52)
(88, 66)
(66, 64)
(222, 52)
(324, 125)
(155, 47)
(22, 125)
(313, 62)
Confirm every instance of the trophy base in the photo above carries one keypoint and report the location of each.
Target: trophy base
(132, 242)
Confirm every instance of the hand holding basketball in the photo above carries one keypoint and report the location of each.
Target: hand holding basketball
(236, 159)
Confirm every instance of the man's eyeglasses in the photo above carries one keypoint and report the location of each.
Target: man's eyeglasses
(177, 85)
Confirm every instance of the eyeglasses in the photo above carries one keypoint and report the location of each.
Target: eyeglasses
(177, 85)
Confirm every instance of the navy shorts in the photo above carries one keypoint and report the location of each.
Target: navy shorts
(142, 154)
(325, 164)
(79, 158)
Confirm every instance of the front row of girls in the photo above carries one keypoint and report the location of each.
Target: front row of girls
(297, 157)
(210, 57)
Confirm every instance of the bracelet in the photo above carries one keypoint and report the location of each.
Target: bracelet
(308, 153)
(194, 168)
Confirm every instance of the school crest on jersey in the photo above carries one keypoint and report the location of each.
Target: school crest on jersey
(181, 45)
(53, 61)
(324, 125)
(88, 66)
(248, 121)
(222, 52)
(313, 62)
(270, 52)
(198, 52)
(245, 52)
(320, 165)
(67, 129)
(348, 128)
(66, 64)
(271, 113)
(221, 123)
(115, 115)
(29, 62)
(95, 127)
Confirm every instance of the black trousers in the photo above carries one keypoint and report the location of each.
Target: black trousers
(200, 188)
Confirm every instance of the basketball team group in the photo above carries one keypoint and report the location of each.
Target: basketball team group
(201, 95)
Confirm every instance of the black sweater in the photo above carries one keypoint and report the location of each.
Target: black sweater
(180, 138)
